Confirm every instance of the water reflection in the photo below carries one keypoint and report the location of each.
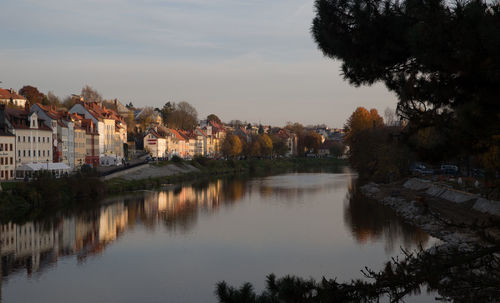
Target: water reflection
(369, 221)
(33, 247)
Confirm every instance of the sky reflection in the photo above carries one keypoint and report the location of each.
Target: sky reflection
(157, 246)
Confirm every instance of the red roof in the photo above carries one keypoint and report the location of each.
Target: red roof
(177, 134)
(217, 127)
(101, 112)
(7, 94)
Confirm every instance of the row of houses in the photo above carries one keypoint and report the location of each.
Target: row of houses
(205, 140)
(39, 137)
(163, 142)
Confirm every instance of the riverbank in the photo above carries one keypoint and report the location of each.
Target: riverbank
(158, 175)
(21, 201)
(458, 218)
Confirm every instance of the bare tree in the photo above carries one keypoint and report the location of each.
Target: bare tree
(390, 117)
(89, 94)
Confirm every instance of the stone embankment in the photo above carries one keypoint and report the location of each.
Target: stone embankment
(456, 217)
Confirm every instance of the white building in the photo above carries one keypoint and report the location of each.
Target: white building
(63, 133)
(155, 142)
(10, 96)
(33, 138)
(110, 126)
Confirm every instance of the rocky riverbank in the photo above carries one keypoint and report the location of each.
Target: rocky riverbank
(456, 217)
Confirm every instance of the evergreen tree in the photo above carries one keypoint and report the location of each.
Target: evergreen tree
(441, 60)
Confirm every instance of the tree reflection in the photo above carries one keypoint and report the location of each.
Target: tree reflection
(368, 220)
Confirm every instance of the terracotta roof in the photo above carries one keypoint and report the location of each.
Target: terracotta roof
(7, 94)
(188, 134)
(101, 112)
(177, 134)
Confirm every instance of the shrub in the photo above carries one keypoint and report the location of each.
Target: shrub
(176, 159)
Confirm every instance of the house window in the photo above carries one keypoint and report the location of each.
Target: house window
(19, 153)
(2, 173)
(18, 138)
(11, 160)
(1, 162)
(12, 174)
(38, 139)
(24, 138)
(43, 139)
(24, 153)
(11, 147)
(44, 153)
(38, 153)
(29, 139)
(29, 153)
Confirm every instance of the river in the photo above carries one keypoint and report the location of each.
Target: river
(175, 245)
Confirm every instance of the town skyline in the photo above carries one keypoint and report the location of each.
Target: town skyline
(210, 54)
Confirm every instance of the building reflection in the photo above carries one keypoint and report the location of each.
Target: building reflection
(34, 246)
(368, 220)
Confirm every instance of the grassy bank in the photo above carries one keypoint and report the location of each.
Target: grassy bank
(21, 201)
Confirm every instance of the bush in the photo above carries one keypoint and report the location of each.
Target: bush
(203, 161)
(176, 159)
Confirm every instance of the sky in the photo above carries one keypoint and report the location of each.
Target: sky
(252, 60)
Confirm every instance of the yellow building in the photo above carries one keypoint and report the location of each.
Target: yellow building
(80, 145)
(7, 149)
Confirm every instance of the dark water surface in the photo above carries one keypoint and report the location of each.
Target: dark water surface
(173, 246)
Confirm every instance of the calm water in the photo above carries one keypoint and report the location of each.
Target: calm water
(173, 246)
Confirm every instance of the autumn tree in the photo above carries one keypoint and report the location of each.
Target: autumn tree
(89, 94)
(296, 127)
(130, 121)
(301, 132)
(312, 141)
(266, 144)
(374, 150)
(31, 94)
(255, 149)
(280, 147)
(179, 115)
(231, 146)
(361, 119)
(213, 118)
(337, 149)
